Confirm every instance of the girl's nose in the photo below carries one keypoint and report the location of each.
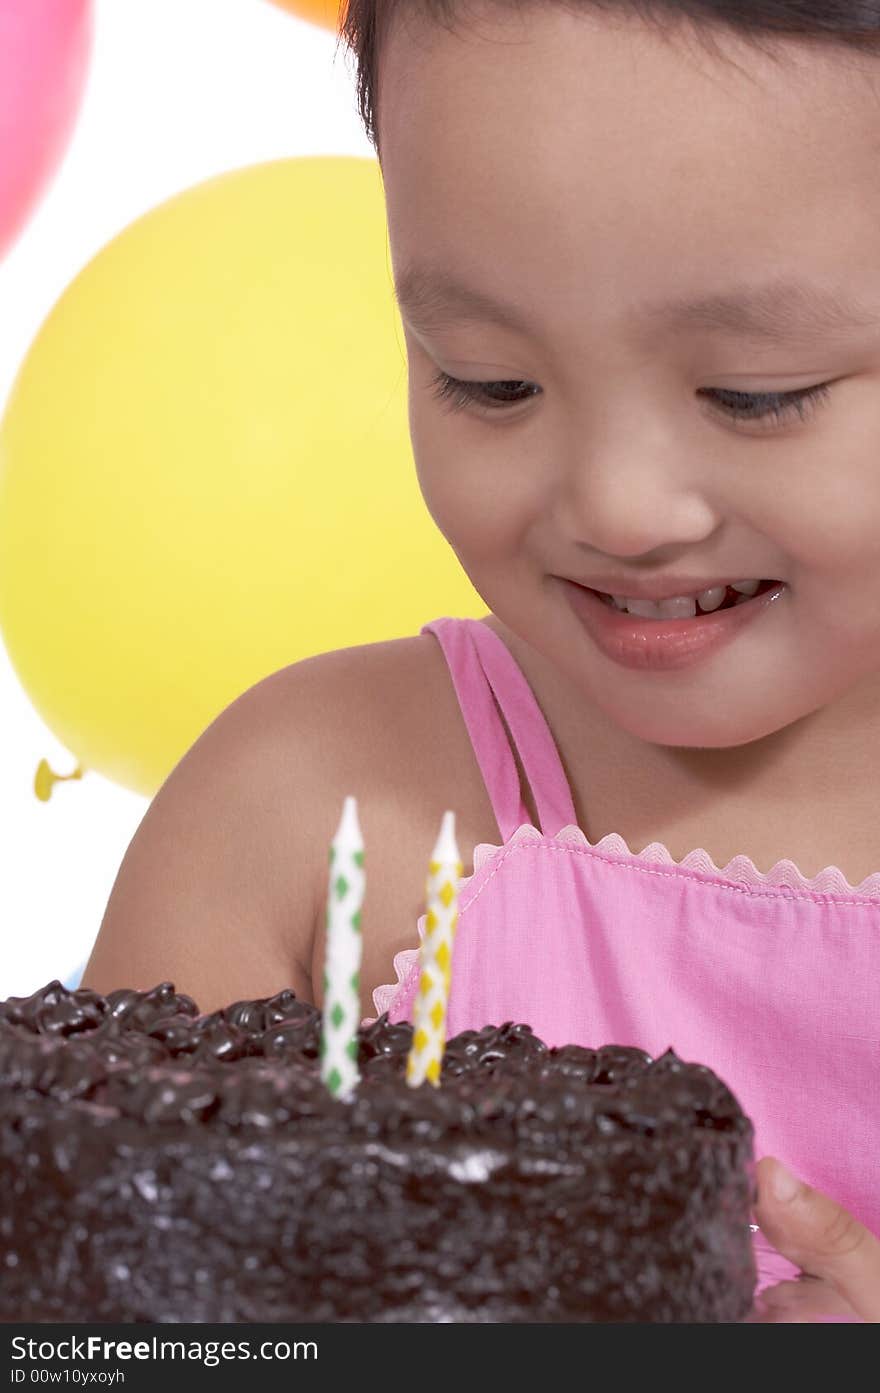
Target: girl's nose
(627, 499)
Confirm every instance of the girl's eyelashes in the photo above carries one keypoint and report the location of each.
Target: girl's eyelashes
(742, 406)
(776, 406)
(461, 394)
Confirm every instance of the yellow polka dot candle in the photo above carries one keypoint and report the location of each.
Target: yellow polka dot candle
(435, 959)
(342, 957)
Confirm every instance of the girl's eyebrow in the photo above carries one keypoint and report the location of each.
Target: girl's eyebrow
(784, 310)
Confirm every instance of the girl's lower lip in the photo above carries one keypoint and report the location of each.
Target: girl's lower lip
(658, 644)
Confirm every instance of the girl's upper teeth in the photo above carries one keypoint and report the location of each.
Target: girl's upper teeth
(684, 606)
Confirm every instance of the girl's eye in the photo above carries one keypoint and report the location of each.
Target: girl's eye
(775, 406)
(743, 406)
(461, 394)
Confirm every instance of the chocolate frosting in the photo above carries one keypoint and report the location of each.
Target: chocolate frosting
(651, 1158)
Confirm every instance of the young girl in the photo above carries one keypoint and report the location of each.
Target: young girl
(636, 258)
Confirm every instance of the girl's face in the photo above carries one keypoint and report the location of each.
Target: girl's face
(583, 171)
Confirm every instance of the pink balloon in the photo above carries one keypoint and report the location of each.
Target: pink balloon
(44, 56)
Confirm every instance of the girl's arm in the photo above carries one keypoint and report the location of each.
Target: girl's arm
(216, 892)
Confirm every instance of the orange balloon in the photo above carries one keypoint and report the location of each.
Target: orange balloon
(323, 12)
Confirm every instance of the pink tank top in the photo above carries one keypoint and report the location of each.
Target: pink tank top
(772, 980)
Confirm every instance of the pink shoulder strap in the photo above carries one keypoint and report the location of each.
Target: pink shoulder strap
(484, 672)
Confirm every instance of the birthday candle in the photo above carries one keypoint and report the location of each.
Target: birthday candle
(435, 959)
(342, 959)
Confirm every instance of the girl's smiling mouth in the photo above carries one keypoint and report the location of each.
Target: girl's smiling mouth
(663, 642)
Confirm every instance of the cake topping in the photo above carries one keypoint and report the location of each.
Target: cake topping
(151, 1055)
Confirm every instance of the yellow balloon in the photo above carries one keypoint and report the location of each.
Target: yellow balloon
(205, 465)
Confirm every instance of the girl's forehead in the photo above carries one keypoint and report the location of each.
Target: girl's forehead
(538, 149)
(545, 78)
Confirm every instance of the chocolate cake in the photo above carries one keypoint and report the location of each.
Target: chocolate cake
(161, 1165)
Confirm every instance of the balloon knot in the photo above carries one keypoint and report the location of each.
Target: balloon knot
(45, 779)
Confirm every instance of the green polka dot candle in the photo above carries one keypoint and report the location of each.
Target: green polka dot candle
(435, 959)
(342, 959)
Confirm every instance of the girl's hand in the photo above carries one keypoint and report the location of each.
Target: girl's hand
(825, 1241)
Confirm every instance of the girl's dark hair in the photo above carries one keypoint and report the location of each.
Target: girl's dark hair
(363, 25)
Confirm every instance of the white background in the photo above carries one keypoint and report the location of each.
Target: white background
(178, 91)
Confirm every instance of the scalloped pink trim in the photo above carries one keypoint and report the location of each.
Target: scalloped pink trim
(741, 868)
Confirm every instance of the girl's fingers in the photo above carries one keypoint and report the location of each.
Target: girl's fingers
(812, 1230)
